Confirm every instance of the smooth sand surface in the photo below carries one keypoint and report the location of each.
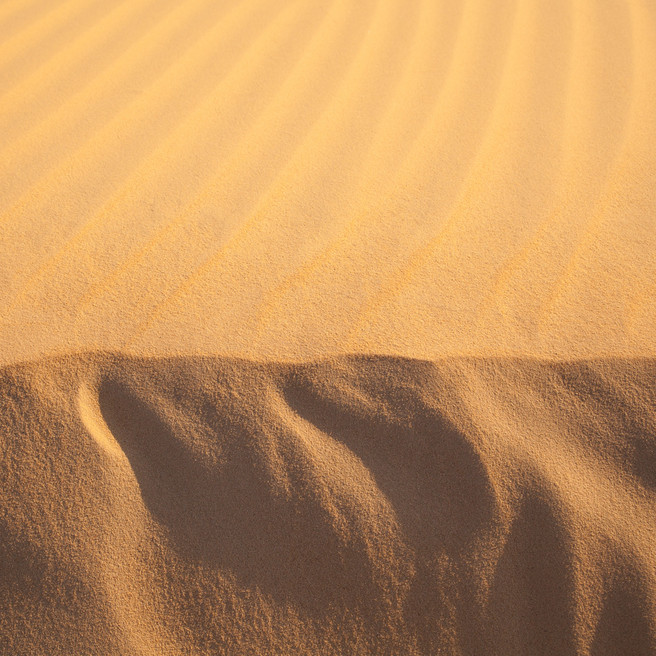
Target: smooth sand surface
(291, 179)
(327, 327)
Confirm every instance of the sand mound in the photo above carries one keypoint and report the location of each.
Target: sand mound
(295, 178)
(352, 506)
(195, 193)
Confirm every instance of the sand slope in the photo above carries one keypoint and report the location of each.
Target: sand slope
(294, 178)
(446, 209)
(352, 506)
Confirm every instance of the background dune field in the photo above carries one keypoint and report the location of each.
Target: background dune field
(300, 178)
(327, 327)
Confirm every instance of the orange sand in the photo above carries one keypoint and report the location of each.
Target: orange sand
(445, 209)
(303, 178)
(353, 506)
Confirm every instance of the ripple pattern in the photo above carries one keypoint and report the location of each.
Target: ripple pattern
(300, 178)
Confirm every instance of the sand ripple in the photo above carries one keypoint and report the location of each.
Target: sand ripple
(294, 179)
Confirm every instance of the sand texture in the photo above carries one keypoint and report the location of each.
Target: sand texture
(327, 327)
(352, 506)
(300, 178)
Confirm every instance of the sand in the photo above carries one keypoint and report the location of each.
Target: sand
(327, 327)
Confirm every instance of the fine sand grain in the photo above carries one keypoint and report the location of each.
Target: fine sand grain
(302, 178)
(327, 327)
(361, 505)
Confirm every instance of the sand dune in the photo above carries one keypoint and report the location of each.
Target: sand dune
(327, 327)
(417, 178)
(351, 506)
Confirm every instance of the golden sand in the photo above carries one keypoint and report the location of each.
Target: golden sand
(327, 327)
(362, 505)
(295, 179)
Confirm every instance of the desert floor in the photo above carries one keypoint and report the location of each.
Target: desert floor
(327, 327)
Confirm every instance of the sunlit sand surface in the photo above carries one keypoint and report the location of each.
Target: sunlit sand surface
(327, 326)
(294, 179)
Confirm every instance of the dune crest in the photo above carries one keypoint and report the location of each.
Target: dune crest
(327, 327)
(362, 505)
(93, 420)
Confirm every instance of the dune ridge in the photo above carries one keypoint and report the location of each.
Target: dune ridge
(361, 505)
(327, 327)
